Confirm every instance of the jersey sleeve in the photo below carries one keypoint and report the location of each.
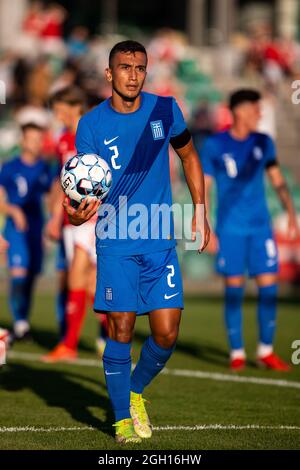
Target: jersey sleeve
(207, 155)
(84, 138)
(270, 152)
(4, 176)
(179, 124)
(52, 172)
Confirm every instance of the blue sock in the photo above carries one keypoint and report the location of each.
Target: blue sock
(152, 360)
(233, 316)
(117, 370)
(28, 298)
(18, 300)
(266, 313)
(61, 301)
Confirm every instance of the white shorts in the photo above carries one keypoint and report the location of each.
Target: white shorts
(83, 236)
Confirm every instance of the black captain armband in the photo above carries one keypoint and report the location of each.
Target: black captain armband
(272, 163)
(181, 140)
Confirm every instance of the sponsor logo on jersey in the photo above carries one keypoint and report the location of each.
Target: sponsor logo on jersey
(107, 142)
(157, 130)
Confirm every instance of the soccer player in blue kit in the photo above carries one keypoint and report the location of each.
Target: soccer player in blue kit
(137, 274)
(237, 160)
(23, 182)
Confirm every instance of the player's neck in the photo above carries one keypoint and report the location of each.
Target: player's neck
(28, 158)
(121, 105)
(74, 126)
(239, 131)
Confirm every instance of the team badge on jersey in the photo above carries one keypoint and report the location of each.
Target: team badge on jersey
(157, 130)
(257, 152)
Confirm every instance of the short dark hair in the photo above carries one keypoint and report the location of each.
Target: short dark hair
(126, 46)
(32, 126)
(71, 95)
(242, 96)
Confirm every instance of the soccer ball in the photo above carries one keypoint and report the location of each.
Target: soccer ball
(86, 175)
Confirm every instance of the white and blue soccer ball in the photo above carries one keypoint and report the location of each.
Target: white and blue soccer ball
(86, 175)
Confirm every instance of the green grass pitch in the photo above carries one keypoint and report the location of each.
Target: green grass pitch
(65, 406)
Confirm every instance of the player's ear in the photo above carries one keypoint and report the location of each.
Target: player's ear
(108, 74)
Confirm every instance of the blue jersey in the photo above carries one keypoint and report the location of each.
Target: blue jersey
(25, 185)
(238, 168)
(135, 145)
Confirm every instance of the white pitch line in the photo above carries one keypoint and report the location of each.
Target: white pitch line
(196, 374)
(196, 427)
(35, 429)
(224, 427)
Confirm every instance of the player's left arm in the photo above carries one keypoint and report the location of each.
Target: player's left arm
(280, 186)
(195, 180)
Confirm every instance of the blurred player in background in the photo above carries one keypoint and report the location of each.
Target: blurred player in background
(132, 131)
(4, 334)
(77, 253)
(23, 182)
(237, 160)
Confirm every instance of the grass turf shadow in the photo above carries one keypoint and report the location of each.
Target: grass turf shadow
(61, 389)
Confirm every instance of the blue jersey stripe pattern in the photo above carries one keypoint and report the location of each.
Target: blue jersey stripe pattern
(145, 153)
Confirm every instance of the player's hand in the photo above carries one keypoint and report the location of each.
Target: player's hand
(3, 244)
(19, 218)
(213, 244)
(205, 232)
(293, 228)
(53, 229)
(85, 211)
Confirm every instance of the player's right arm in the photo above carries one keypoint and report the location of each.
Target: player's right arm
(207, 152)
(13, 211)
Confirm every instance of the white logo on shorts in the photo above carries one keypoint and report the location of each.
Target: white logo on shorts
(270, 248)
(167, 297)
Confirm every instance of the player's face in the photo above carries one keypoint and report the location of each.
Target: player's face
(127, 74)
(249, 113)
(66, 113)
(32, 142)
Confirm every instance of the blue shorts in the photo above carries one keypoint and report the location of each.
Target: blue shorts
(138, 283)
(61, 259)
(255, 254)
(25, 249)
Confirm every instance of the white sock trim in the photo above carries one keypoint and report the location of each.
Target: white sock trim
(264, 350)
(21, 327)
(237, 354)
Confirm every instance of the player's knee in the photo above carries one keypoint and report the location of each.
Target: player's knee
(167, 340)
(123, 333)
(18, 272)
(234, 281)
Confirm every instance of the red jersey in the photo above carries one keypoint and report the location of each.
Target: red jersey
(65, 150)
